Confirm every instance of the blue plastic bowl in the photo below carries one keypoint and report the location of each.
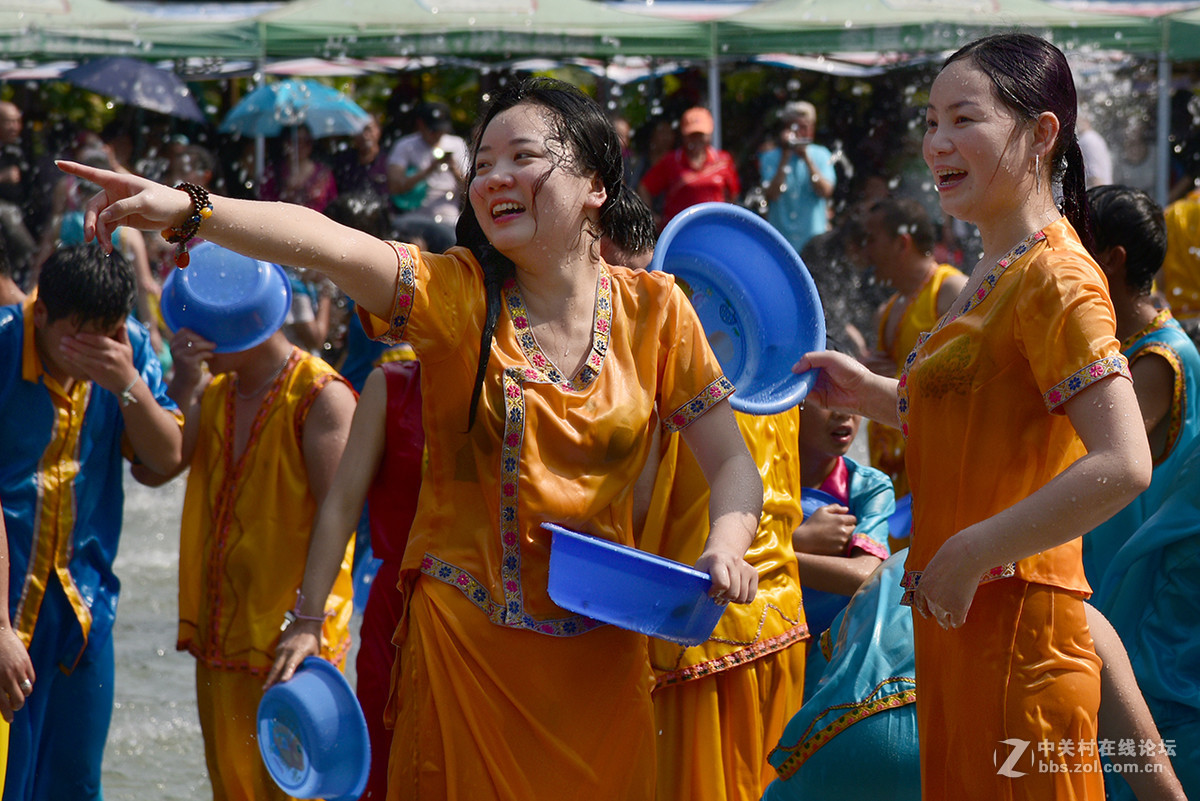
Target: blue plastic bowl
(232, 300)
(312, 734)
(812, 499)
(629, 588)
(755, 298)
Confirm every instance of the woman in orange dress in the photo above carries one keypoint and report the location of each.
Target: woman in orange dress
(1022, 431)
(543, 370)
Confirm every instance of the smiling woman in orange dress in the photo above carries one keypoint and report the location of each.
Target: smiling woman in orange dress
(1023, 433)
(543, 368)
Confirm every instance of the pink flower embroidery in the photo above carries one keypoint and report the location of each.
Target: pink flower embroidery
(904, 429)
(513, 392)
(904, 381)
(1055, 397)
(531, 375)
(539, 360)
(510, 586)
(547, 628)
(1096, 370)
(426, 563)
(520, 323)
(512, 440)
(462, 581)
(510, 538)
(679, 420)
(602, 326)
(509, 489)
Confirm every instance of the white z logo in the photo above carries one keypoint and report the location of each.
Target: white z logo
(1018, 748)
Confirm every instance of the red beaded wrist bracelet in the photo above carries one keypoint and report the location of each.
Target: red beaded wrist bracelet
(201, 210)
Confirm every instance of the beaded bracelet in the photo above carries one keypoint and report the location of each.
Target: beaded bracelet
(292, 615)
(201, 210)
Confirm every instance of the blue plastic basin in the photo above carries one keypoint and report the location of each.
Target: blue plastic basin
(630, 588)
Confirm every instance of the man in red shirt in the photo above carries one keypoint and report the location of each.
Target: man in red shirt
(695, 173)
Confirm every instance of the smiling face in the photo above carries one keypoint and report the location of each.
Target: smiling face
(978, 151)
(527, 193)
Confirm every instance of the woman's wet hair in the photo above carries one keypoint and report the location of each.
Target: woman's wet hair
(1032, 76)
(87, 285)
(1122, 215)
(585, 143)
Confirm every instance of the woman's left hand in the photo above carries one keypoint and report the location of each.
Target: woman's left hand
(948, 584)
(733, 578)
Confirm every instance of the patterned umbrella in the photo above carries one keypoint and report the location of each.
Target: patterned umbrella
(137, 83)
(269, 109)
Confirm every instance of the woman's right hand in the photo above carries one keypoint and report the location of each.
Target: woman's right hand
(841, 380)
(127, 199)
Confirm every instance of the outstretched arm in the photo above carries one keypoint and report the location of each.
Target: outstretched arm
(844, 384)
(734, 506)
(363, 266)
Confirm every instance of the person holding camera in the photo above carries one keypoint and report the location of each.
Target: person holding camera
(425, 178)
(797, 177)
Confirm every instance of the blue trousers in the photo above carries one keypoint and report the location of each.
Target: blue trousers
(56, 743)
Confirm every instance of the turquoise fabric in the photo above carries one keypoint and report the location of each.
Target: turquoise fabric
(1102, 543)
(871, 659)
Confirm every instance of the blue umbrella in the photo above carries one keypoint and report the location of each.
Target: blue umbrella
(269, 109)
(137, 83)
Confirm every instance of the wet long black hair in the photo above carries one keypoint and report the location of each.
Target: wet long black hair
(1032, 76)
(585, 143)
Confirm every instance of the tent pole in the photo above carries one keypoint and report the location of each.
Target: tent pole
(714, 85)
(1162, 152)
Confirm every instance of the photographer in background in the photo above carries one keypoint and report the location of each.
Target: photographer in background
(425, 178)
(797, 176)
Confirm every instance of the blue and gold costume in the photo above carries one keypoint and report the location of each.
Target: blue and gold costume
(61, 477)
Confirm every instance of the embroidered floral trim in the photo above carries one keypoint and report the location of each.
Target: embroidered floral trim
(868, 545)
(748, 654)
(809, 745)
(542, 369)
(977, 297)
(1084, 378)
(406, 288)
(707, 398)
(913, 577)
(503, 614)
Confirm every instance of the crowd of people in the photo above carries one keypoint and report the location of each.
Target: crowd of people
(474, 347)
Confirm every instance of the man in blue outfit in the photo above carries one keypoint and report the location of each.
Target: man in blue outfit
(80, 388)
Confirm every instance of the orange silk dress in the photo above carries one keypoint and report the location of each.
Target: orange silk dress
(886, 444)
(1181, 265)
(243, 544)
(721, 706)
(498, 693)
(981, 404)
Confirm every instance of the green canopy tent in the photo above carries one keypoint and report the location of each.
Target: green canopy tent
(503, 28)
(829, 26)
(59, 29)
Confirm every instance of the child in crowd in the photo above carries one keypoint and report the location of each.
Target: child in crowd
(839, 544)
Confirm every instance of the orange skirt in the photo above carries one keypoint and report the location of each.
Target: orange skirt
(1007, 704)
(484, 712)
(714, 733)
